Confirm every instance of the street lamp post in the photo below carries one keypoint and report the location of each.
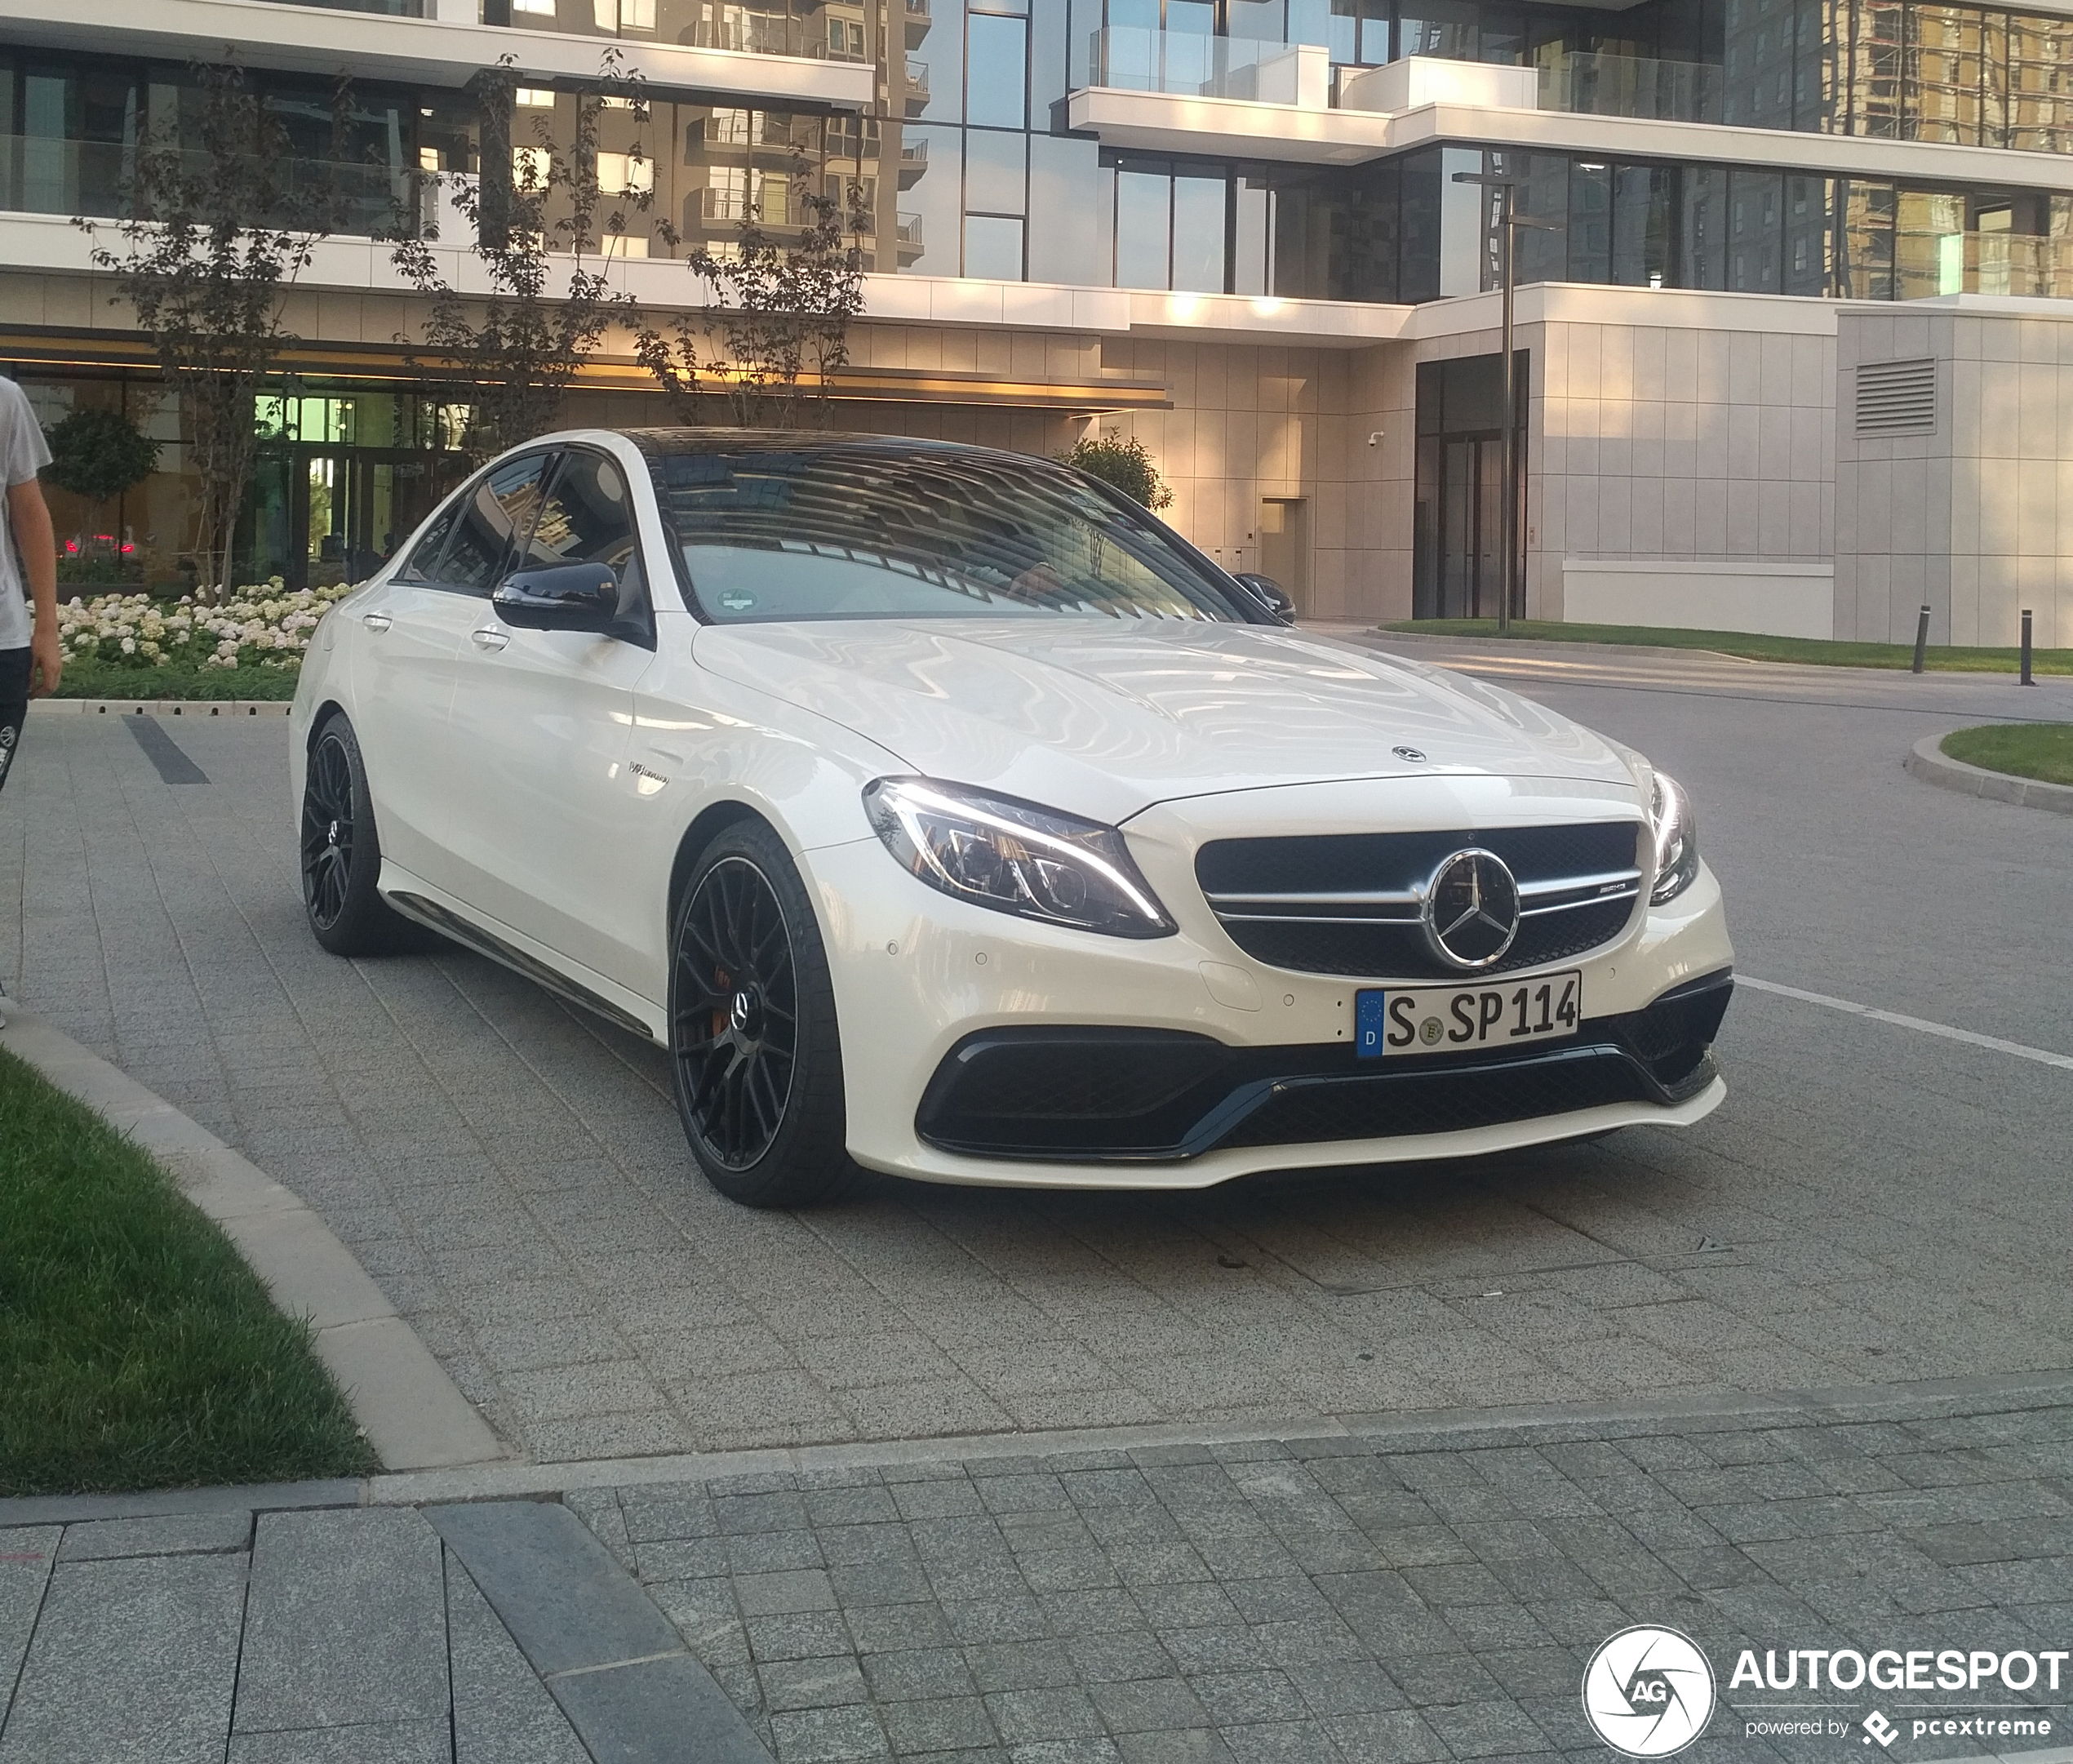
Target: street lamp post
(1508, 221)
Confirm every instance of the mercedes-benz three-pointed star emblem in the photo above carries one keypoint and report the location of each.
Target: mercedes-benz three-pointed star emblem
(1470, 910)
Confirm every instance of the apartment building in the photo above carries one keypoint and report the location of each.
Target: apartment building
(1794, 325)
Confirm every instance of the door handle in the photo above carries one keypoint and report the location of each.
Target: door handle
(376, 621)
(489, 638)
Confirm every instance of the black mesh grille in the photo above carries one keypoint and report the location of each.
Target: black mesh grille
(1344, 862)
(1354, 863)
(1395, 1105)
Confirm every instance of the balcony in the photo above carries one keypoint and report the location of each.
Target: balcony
(916, 99)
(918, 18)
(95, 179)
(1631, 86)
(913, 161)
(1127, 59)
(908, 238)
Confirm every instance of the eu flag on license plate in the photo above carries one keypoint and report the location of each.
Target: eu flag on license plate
(1368, 1024)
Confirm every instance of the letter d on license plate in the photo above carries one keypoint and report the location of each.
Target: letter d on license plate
(1441, 1019)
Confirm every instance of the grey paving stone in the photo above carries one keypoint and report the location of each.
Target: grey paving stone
(133, 1661)
(26, 1556)
(175, 1534)
(503, 1714)
(346, 1623)
(413, 1742)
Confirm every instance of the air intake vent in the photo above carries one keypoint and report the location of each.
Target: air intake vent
(1895, 398)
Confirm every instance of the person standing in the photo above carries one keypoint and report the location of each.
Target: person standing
(30, 661)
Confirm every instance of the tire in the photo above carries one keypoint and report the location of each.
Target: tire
(341, 852)
(753, 1045)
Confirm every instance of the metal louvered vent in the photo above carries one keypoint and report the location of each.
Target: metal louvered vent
(1895, 398)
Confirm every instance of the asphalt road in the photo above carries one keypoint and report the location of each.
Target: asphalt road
(1873, 1204)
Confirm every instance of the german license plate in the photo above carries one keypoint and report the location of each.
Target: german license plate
(1443, 1019)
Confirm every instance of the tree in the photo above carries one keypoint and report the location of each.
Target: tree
(216, 236)
(98, 453)
(511, 354)
(774, 310)
(1122, 462)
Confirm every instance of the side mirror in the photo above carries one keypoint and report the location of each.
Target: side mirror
(569, 596)
(1270, 594)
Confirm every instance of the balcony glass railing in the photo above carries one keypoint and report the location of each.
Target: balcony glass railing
(399, 9)
(1926, 264)
(1631, 86)
(828, 32)
(1198, 65)
(95, 179)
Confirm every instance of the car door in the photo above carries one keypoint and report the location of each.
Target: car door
(540, 725)
(416, 630)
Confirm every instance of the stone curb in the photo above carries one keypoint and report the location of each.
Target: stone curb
(198, 708)
(1415, 1430)
(1928, 761)
(1549, 645)
(414, 1415)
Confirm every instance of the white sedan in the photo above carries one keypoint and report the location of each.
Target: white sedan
(940, 812)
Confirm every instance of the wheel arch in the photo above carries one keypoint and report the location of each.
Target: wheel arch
(706, 826)
(325, 709)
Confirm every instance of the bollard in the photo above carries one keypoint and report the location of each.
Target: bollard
(2027, 680)
(1921, 639)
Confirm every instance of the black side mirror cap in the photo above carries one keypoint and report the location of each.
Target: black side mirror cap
(1270, 594)
(566, 596)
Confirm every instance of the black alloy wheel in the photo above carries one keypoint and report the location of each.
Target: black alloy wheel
(341, 852)
(752, 1028)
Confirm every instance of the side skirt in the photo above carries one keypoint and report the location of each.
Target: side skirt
(448, 923)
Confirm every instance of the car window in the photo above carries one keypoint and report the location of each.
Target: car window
(586, 517)
(496, 516)
(422, 564)
(845, 531)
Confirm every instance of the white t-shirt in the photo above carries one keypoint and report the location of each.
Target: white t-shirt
(23, 453)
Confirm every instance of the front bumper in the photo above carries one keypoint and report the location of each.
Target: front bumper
(1133, 1096)
(918, 977)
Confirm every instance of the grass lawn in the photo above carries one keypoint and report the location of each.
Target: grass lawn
(101, 679)
(2028, 749)
(1801, 649)
(137, 1348)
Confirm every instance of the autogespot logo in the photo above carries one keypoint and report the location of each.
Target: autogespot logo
(1647, 1691)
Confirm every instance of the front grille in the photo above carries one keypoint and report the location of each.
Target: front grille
(1400, 1104)
(1113, 1095)
(1347, 904)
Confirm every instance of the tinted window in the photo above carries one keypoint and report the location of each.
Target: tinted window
(424, 564)
(588, 517)
(851, 532)
(497, 513)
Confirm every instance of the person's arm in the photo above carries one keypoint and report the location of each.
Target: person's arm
(29, 519)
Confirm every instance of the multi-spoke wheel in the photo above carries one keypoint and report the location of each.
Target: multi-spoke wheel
(341, 854)
(751, 1020)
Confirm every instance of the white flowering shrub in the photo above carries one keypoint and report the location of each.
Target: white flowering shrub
(266, 624)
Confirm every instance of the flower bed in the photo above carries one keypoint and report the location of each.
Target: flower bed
(265, 626)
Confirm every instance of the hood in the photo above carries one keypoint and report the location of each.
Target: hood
(1104, 720)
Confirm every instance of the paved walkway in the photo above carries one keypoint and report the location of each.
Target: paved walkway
(1410, 1596)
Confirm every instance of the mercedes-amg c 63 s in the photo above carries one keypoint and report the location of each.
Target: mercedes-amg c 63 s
(942, 812)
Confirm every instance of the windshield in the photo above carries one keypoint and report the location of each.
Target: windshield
(848, 532)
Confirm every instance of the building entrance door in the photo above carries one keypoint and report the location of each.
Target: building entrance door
(1458, 518)
(1471, 574)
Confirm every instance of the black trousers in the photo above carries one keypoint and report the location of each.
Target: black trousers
(14, 705)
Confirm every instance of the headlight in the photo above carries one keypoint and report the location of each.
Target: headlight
(1014, 857)
(1676, 839)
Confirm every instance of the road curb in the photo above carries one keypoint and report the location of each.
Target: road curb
(1928, 761)
(414, 1415)
(199, 709)
(1561, 646)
